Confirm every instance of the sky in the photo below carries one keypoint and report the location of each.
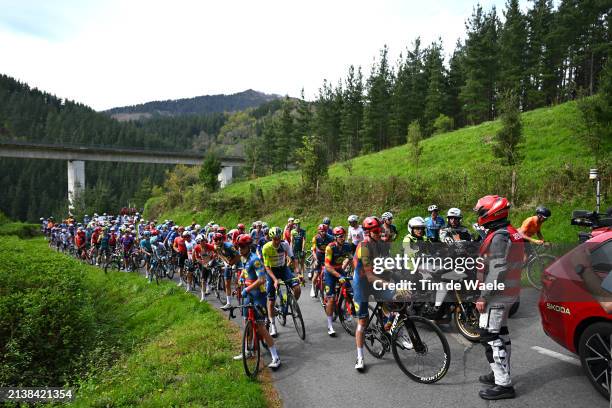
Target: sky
(111, 53)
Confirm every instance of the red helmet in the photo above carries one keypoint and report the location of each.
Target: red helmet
(221, 230)
(244, 240)
(218, 237)
(370, 223)
(322, 228)
(339, 231)
(241, 227)
(492, 208)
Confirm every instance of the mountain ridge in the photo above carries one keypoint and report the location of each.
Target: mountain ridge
(197, 105)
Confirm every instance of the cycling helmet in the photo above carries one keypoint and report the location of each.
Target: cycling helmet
(415, 222)
(197, 227)
(454, 213)
(63, 229)
(371, 223)
(322, 228)
(326, 221)
(296, 221)
(492, 208)
(233, 233)
(339, 231)
(186, 234)
(543, 211)
(432, 208)
(199, 238)
(147, 233)
(244, 240)
(353, 218)
(291, 219)
(86, 216)
(42, 219)
(265, 231)
(258, 224)
(218, 237)
(265, 225)
(241, 227)
(275, 232)
(387, 216)
(222, 230)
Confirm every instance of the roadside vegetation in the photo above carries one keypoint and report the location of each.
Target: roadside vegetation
(118, 340)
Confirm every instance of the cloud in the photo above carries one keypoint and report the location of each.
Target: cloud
(114, 53)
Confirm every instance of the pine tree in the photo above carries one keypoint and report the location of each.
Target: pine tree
(456, 81)
(351, 120)
(376, 112)
(436, 89)
(209, 172)
(539, 19)
(513, 50)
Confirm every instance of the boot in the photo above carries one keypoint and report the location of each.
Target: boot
(488, 379)
(497, 392)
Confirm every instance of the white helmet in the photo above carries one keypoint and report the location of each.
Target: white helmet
(199, 238)
(415, 222)
(432, 207)
(291, 219)
(387, 216)
(353, 218)
(197, 227)
(454, 212)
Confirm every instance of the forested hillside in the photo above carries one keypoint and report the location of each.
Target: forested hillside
(34, 188)
(200, 105)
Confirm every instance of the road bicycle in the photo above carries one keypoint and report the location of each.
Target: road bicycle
(419, 347)
(288, 306)
(114, 262)
(344, 308)
(217, 281)
(535, 264)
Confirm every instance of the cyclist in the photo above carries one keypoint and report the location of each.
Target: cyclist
(80, 241)
(298, 245)
(337, 257)
(276, 255)
(327, 222)
(203, 252)
(389, 230)
(262, 241)
(95, 243)
(254, 275)
(127, 243)
(533, 226)
(257, 233)
(228, 254)
(319, 243)
(242, 228)
(179, 247)
(355, 231)
(147, 251)
(370, 248)
(414, 242)
(502, 250)
(434, 223)
(288, 229)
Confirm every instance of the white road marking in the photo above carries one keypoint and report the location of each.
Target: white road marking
(558, 356)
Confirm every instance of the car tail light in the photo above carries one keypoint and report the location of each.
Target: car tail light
(548, 279)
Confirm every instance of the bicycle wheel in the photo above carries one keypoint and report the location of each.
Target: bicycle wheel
(220, 289)
(296, 315)
(346, 314)
(467, 321)
(535, 269)
(251, 355)
(421, 350)
(375, 339)
(281, 313)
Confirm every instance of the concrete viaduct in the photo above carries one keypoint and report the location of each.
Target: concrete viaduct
(78, 155)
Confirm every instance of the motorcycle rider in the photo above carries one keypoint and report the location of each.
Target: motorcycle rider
(413, 242)
(502, 251)
(454, 231)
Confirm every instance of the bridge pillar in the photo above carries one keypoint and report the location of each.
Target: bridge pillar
(225, 177)
(76, 179)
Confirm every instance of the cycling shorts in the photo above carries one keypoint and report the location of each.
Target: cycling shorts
(361, 310)
(282, 273)
(330, 282)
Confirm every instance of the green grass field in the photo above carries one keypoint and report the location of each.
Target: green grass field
(168, 349)
(554, 172)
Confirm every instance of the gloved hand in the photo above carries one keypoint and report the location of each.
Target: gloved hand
(342, 280)
(244, 293)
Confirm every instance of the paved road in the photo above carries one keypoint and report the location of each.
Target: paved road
(320, 370)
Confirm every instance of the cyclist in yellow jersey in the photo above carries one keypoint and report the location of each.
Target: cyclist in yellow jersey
(276, 256)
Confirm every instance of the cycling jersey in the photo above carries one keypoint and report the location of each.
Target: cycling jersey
(298, 236)
(254, 270)
(335, 254)
(145, 244)
(363, 262)
(433, 226)
(319, 243)
(179, 245)
(127, 241)
(531, 226)
(189, 248)
(356, 234)
(228, 250)
(276, 257)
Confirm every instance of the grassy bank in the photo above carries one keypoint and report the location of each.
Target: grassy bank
(140, 344)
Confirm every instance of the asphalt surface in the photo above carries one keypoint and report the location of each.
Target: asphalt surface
(319, 371)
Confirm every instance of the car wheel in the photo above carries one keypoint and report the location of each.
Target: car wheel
(594, 352)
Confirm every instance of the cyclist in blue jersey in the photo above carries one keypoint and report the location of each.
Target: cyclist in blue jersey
(434, 223)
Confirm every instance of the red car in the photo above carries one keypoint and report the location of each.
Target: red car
(576, 304)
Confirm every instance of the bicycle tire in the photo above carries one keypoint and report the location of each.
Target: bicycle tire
(250, 344)
(535, 269)
(374, 334)
(420, 348)
(283, 304)
(345, 304)
(296, 315)
(169, 268)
